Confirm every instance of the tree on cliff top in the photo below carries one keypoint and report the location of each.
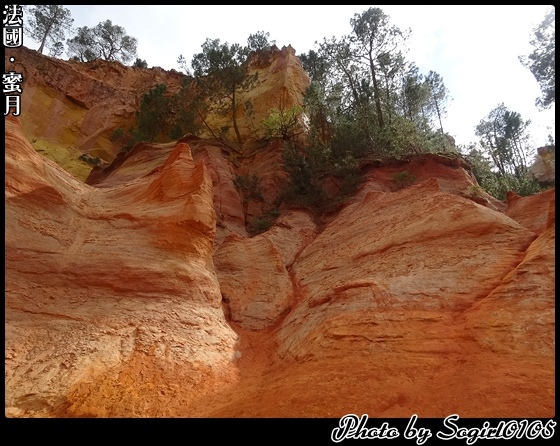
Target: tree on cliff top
(541, 61)
(259, 41)
(221, 73)
(373, 39)
(48, 24)
(104, 41)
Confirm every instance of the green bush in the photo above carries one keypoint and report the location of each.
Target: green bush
(249, 186)
(283, 122)
(139, 63)
(176, 132)
(154, 109)
(261, 224)
(117, 135)
(403, 179)
(306, 166)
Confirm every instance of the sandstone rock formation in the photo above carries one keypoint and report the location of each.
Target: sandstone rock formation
(543, 168)
(82, 104)
(72, 108)
(141, 293)
(281, 83)
(107, 288)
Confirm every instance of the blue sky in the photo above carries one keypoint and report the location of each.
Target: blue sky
(474, 48)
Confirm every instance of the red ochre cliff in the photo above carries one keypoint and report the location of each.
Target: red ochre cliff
(141, 294)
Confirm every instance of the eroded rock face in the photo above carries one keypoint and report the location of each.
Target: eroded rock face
(108, 289)
(543, 168)
(414, 301)
(410, 299)
(281, 84)
(453, 175)
(79, 105)
(256, 286)
(417, 251)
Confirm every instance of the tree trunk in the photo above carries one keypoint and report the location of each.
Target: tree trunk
(351, 82)
(45, 38)
(388, 94)
(376, 93)
(234, 116)
(438, 115)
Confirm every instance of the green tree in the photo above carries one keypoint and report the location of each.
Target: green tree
(415, 96)
(305, 167)
(283, 122)
(541, 61)
(48, 24)
(345, 71)
(153, 114)
(139, 63)
(439, 96)
(259, 41)
(183, 64)
(80, 47)
(221, 73)
(56, 50)
(314, 65)
(104, 41)
(374, 37)
(504, 135)
(392, 68)
(496, 183)
(184, 109)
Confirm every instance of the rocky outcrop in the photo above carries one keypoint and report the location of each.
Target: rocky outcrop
(414, 301)
(72, 105)
(452, 174)
(111, 296)
(281, 83)
(543, 168)
(255, 282)
(71, 108)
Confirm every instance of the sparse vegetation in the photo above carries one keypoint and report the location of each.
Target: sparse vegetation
(249, 186)
(403, 179)
(474, 190)
(90, 160)
(283, 122)
(139, 63)
(261, 224)
(117, 135)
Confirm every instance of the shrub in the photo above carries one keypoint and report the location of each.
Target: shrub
(117, 135)
(282, 122)
(90, 159)
(139, 63)
(176, 132)
(249, 186)
(403, 179)
(261, 224)
(154, 109)
(474, 190)
(306, 166)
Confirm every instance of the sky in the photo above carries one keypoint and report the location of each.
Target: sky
(474, 48)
